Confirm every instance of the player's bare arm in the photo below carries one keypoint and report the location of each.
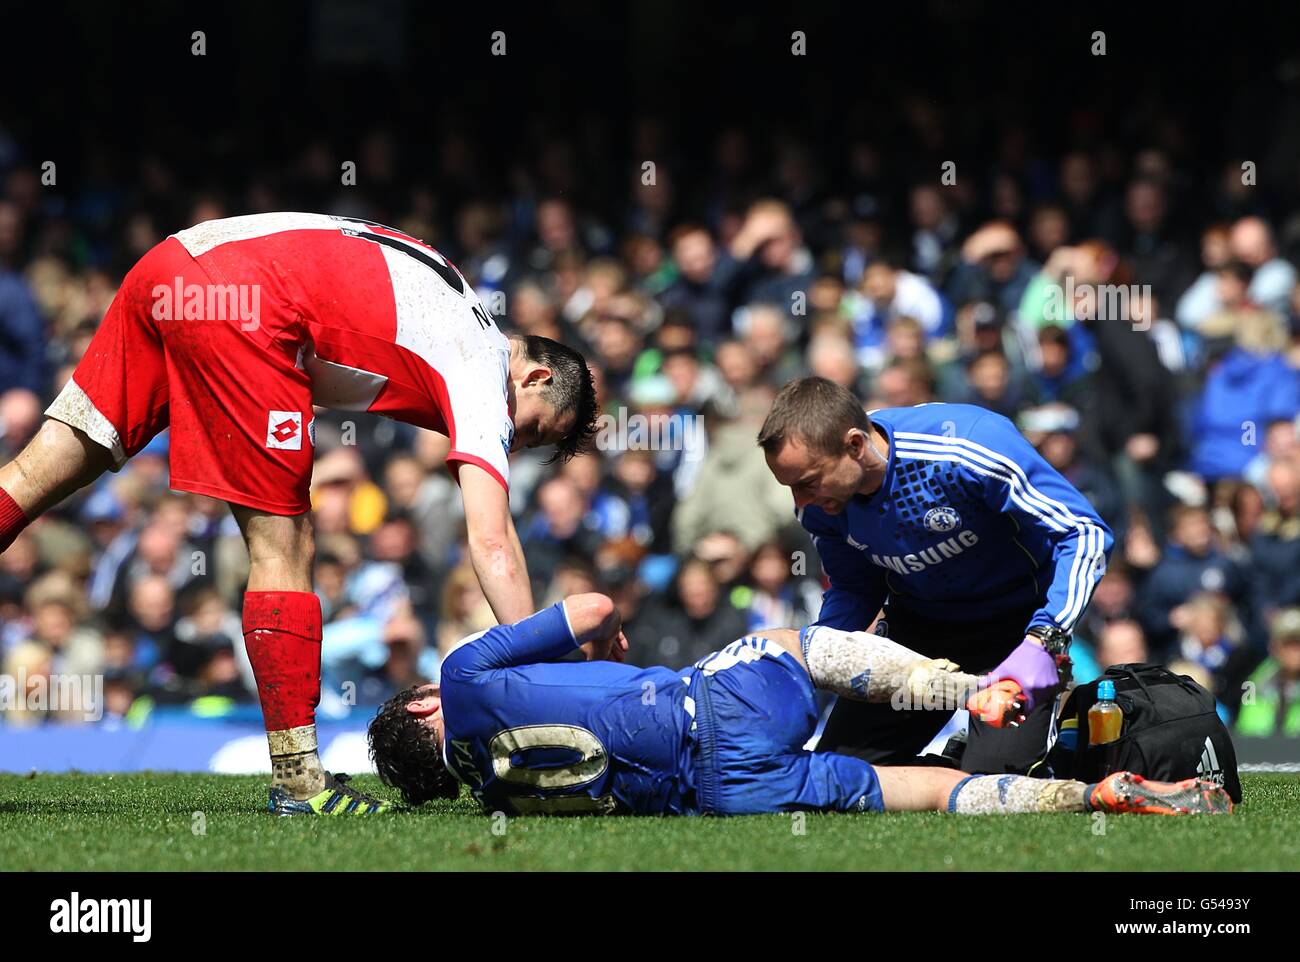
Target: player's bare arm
(494, 547)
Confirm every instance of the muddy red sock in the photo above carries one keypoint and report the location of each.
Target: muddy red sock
(12, 520)
(282, 632)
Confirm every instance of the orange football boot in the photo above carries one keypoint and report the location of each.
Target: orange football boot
(1125, 793)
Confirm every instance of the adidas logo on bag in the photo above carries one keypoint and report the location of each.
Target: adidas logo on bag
(1209, 764)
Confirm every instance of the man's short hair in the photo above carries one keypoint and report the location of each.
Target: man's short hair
(1054, 334)
(406, 756)
(991, 353)
(1239, 269)
(670, 353)
(815, 410)
(905, 322)
(917, 369)
(572, 389)
(681, 231)
(1181, 512)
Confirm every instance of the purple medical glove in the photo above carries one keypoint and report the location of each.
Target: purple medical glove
(1033, 669)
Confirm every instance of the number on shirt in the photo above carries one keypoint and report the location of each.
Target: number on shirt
(590, 764)
(410, 247)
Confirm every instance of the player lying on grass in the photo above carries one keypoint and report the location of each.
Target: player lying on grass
(228, 333)
(530, 734)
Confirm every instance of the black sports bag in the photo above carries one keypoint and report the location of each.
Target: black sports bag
(1171, 731)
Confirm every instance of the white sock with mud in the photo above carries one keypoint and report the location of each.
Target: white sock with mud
(295, 765)
(1016, 795)
(869, 667)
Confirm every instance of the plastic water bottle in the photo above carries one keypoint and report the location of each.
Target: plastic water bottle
(1105, 721)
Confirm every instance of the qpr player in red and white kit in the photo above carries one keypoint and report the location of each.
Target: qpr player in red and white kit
(228, 333)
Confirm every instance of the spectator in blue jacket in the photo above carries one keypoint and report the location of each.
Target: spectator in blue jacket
(1275, 548)
(1192, 563)
(889, 293)
(1247, 388)
(703, 288)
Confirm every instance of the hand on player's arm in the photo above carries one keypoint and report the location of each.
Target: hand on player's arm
(494, 547)
(597, 626)
(996, 703)
(999, 703)
(611, 648)
(1010, 691)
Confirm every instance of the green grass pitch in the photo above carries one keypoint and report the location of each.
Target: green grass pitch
(146, 822)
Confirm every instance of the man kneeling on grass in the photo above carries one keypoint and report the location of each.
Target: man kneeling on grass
(530, 734)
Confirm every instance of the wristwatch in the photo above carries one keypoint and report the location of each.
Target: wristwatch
(1056, 642)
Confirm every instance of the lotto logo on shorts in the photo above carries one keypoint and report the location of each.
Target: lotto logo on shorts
(284, 430)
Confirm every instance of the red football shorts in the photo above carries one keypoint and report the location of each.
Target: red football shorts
(218, 363)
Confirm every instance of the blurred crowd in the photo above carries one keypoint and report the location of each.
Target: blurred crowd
(696, 290)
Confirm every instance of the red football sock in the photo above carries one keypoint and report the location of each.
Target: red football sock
(282, 632)
(12, 520)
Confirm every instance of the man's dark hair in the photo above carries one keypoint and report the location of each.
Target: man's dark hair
(991, 352)
(816, 411)
(572, 389)
(892, 257)
(674, 352)
(677, 317)
(685, 230)
(406, 756)
(1238, 269)
(1054, 334)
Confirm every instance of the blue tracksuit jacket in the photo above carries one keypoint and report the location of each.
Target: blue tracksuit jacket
(969, 524)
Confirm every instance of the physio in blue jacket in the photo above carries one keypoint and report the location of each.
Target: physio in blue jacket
(975, 547)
